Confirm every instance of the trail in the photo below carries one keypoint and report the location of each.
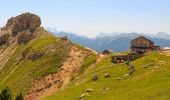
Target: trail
(49, 84)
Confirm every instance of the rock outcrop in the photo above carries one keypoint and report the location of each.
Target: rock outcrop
(26, 21)
(19, 29)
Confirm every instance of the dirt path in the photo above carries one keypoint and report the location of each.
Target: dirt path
(49, 84)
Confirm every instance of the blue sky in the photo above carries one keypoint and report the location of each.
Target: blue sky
(90, 17)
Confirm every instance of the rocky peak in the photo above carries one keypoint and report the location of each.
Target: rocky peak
(25, 21)
(20, 29)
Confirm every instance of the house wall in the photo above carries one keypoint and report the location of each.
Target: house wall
(141, 41)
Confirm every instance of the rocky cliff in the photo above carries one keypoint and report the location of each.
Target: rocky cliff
(32, 60)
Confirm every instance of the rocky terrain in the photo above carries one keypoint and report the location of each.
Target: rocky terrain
(17, 30)
(33, 61)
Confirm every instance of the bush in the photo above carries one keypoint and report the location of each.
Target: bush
(4, 39)
(25, 52)
(19, 97)
(35, 55)
(5, 94)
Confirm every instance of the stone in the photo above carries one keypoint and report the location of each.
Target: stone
(89, 90)
(118, 78)
(161, 63)
(126, 75)
(56, 82)
(107, 75)
(95, 78)
(48, 85)
(82, 96)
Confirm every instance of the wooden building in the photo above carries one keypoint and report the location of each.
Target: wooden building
(107, 51)
(127, 57)
(141, 45)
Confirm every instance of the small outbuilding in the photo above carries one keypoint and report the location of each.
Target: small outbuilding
(107, 52)
(126, 57)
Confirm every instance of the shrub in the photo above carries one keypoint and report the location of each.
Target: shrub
(5, 94)
(35, 55)
(4, 39)
(25, 52)
(20, 97)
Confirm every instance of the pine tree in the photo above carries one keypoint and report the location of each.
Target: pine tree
(5, 94)
(19, 97)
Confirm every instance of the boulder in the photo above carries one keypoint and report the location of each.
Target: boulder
(126, 75)
(48, 85)
(89, 90)
(107, 75)
(82, 96)
(118, 78)
(95, 78)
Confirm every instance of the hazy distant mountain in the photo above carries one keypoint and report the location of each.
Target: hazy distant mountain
(115, 41)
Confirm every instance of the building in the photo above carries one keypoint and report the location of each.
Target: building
(141, 45)
(126, 57)
(107, 51)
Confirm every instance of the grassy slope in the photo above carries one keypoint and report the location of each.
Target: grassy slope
(19, 75)
(151, 81)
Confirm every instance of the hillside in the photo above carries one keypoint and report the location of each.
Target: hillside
(150, 81)
(40, 66)
(30, 55)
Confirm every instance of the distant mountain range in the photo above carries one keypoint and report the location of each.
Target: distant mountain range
(116, 41)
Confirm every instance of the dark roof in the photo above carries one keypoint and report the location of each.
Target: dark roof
(109, 50)
(141, 37)
(156, 46)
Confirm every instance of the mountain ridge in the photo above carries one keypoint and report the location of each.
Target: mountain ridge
(28, 53)
(113, 41)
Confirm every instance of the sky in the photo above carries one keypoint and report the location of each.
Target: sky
(91, 17)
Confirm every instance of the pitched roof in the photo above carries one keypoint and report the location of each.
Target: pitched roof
(109, 50)
(141, 37)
